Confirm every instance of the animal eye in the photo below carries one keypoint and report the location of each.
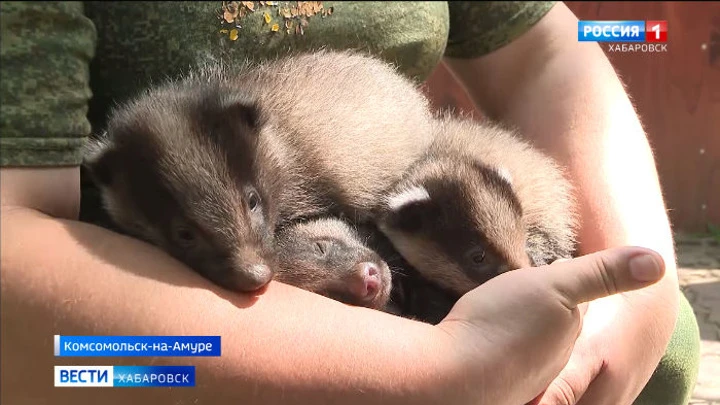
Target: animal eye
(321, 247)
(185, 235)
(253, 200)
(478, 256)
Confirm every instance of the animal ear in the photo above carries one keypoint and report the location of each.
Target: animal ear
(409, 195)
(408, 208)
(247, 113)
(504, 173)
(99, 159)
(410, 217)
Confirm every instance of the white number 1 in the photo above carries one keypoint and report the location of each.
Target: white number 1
(656, 28)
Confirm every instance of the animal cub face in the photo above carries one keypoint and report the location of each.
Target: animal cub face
(328, 257)
(178, 169)
(457, 222)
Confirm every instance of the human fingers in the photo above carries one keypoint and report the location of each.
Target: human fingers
(582, 307)
(604, 273)
(572, 382)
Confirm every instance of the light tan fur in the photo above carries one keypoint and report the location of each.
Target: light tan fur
(327, 132)
(541, 184)
(350, 118)
(436, 267)
(479, 188)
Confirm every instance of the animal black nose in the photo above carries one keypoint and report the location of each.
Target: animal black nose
(365, 282)
(252, 277)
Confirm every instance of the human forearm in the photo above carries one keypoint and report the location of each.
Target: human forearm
(568, 101)
(85, 280)
(54, 191)
(566, 98)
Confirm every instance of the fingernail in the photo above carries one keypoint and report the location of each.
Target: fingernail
(645, 268)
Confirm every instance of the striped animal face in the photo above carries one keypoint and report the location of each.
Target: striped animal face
(457, 222)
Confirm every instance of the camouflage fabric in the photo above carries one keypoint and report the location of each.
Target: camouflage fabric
(144, 42)
(477, 28)
(46, 51)
(66, 63)
(675, 377)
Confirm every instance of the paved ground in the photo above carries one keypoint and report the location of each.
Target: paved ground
(699, 260)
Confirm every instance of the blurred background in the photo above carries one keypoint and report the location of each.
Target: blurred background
(677, 95)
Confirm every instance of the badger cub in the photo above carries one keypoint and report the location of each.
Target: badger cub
(208, 166)
(329, 257)
(480, 202)
(352, 264)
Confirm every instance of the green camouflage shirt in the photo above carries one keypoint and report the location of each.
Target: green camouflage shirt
(65, 63)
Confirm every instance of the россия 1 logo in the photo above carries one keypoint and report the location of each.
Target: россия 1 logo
(626, 36)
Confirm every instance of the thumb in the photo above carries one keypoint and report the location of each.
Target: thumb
(604, 273)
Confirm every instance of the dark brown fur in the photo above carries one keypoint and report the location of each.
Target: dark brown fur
(412, 295)
(184, 164)
(178, 170)
(481, 202)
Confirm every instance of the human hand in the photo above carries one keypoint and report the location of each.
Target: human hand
(523, 324)
(607, 365)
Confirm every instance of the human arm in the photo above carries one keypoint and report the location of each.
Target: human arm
(565, 96)
(64, 277)
(61, 276)
(287, 346)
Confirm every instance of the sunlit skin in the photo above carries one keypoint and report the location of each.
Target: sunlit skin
(565, 96)
(86, 280)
